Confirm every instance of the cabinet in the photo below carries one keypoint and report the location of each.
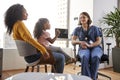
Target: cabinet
(1, 56)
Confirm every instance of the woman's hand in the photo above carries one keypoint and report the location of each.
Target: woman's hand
(89, 45)
(46, 56)
(83, 44)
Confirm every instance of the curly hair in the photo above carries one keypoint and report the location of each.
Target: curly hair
(13, 14)
(89, 19)
(39, 26)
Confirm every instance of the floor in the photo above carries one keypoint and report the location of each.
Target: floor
(67, 70)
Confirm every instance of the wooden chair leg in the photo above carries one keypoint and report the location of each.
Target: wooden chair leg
(53, 69)
(38, 68)
(32, 69)
(27, 67)
(45, 68)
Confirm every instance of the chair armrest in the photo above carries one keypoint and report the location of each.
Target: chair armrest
(108, 43)
(74, 49)
(108, 48)
(105, 57)
(75, 53)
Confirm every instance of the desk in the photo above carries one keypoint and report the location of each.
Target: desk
(46, 76)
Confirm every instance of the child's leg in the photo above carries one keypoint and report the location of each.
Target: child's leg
(68, 59)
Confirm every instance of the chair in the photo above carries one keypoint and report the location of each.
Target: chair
(26, 49)
(104, 58)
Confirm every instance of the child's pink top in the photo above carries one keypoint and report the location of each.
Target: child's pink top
(43, 38)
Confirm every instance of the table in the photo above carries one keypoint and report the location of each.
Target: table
(46, 76)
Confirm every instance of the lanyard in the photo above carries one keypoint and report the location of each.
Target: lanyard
(85, 33)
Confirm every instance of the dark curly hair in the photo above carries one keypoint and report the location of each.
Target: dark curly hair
(89, 19)
(39, 26)
(13, 14)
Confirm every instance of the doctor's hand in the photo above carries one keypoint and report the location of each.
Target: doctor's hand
(83, 44)
(89, 45)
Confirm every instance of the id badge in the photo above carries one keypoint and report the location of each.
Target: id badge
(90, 41)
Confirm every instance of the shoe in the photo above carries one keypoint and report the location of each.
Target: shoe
(72, 60)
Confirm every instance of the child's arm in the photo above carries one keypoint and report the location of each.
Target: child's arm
(57, 32)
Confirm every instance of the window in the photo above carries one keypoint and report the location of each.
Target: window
(60, 13)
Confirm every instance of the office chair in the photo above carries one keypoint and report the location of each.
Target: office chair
(104, 58)
(26, 49)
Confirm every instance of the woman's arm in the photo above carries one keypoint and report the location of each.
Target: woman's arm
(82, 43)
(96, 43)
(26, 36)
(74, 38)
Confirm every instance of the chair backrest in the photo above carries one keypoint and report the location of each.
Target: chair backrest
(105, 57)
(24, 48)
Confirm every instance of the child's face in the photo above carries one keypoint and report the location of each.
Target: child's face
(47, 25)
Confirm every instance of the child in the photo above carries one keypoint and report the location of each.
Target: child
(44, 38)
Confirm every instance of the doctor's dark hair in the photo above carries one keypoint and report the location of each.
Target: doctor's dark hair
(39, 27)
(89, 19)
(13, 14)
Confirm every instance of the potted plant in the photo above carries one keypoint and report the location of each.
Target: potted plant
(112, 19)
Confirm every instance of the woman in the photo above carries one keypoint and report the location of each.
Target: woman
(14, 17)
(43, 37)
(90, 51)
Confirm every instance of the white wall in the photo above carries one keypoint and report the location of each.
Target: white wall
(78, 6)
(12, 60)
(36, 9)
(100, 8)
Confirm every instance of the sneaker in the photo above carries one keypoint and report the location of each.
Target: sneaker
(72, 60)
